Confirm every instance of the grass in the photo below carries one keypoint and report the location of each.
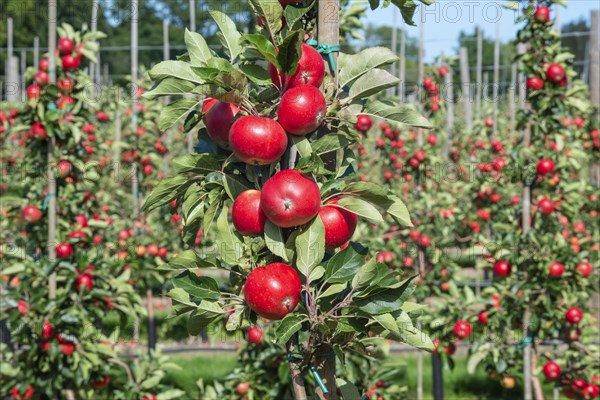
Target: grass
(458, 384)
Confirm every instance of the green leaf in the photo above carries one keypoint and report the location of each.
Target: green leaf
(290, 51)
(303, 145)
(230, 246)
(175, 69)
(386, 301)
(198, 321)
(365, 274)
(274, 240)
(181, 296)
(202, 287)
(405, 114)
(413, 308)
(333, 290)
(256, 74)
(344, 265)
(330, 142)
(210, 214)
(198, 163)
(407, 9)
(294, 13)
(360, 207)
(288, 326)
(373, 82)
(371, 192)
(409, 334)
(176, 112)
(165, 191)
(169, 87)
(310, 246)
(229, 35)
(349, 391)
(197, 48)
(388, 322)
(187, 259)
(264, 47)
(270, 12)
(236, 184)
(398, 210)
(354, 66)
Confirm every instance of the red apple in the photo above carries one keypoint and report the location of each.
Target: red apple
(311, 70)
(44, 64)
(218, 121)
(70, 62)
(257, 141)
(290, 198)
(64, 168)
(65, 46)
(152, 249)
(584, 268)
(25, 396)
(255, 335)
(100, 383)
(272, 291)
(64, 250)
(242, 388)
(545, 166)
(339, 223)
(551, 370)
(247, 214)
(535, 83)
(546, 206)
(574, 315)
(556, 270)
(65, 85)
(555, 73)
(443, 70)
(22, 307)
(302, 110)
(363, 123)
(41, 78)
(31, 213)
(502, 268)
(84, 281)
(483, 317)
(542, 14)
(462, 329)
(33, 91)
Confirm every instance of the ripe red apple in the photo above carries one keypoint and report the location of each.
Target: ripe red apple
(64, 250)
(22, 307)
(81, 220)
(290, 198)
(65, 85)
(489, 122)
(483, 317)
(574, 315)
(443, 70)
(25, 396)
(535, 83)
(208, 103)
(218, 121)
(255, 335)
(162, 252)
(102, 116)
(545, 166)
(542, 14)
(311, 70)
(339, 223)
(152, 397)
(502, 268)
(272, 291)
(33, 91)
(363, 123)
(462, 329)
(302, 110)
(584, 268)
(546, 206)
(37, 131)
(152, 249)
(44, 64)
(247, 215)
(68, 348)
(41, 78)
(80, 235)
(556, 270)
(31, 213)
(257, 141)
(424, 241)
(47, 330)
(551, 370)
(64, 168)
(428, 82)
(591, 391)
(84, 281)
(555, 73)
(242, 388)
(70, 62)
(65, 46)
(100, 383)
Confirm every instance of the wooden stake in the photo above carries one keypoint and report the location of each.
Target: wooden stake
(594, 59)
(496, 87)
(479, 88)
(449, 113)
(402, 83)
(94, 28)
(50, 151)
(421, 65)
(391, 91)
(466, 88)
(12, 84)
(36, 51)
(512, 93)
(22, 75)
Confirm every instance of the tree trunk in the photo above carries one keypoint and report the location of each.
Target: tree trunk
(326, 369)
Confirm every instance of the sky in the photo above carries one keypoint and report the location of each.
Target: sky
(444, 20)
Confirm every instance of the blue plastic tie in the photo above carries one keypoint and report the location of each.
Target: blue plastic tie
(524, 343)
(318, 379)
(326, 49)
(45, 205)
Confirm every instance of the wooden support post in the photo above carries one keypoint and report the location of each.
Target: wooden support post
(421, 54)
(595, 59)
(12, 80)
(496, 87)
(479, 77)
(94, 28)
(23, 68)
(512, 93)
(36, 51)
(449, 83)
(466, 88)
(50, 151)
(402, 76)
(391, 91)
